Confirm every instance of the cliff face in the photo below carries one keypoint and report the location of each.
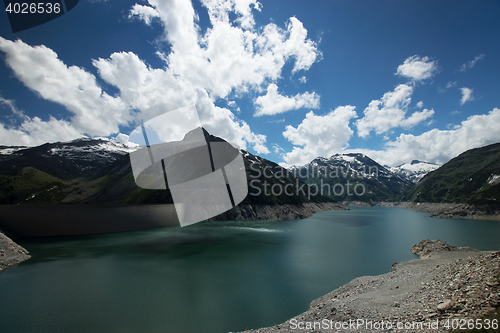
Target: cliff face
(11, 253)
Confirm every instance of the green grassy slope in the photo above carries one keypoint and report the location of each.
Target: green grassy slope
(468, 178)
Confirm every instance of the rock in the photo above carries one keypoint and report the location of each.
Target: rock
(492, 283)
(446, 305)
(425, 248)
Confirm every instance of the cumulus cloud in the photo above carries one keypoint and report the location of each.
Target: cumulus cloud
(273, 103)
(231, 56)
(34, 132)
(466, 95)
(390, 112)
(439, 146)
(319, 135)
(417, 68)
(420, 104)
(471, 63)
(145, 13)
(39, 68)
(201, 66)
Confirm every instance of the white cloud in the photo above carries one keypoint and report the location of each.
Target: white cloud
(145, 13)
(122, 138)
(416, 118)
(319, 135)
(230, 56)
(11, 104)
(390, 112)
(451, 84)
(466, 95)
(420, 104)
(471, 63)
(277, 149)
(303, 79)
(417, 68)
(273, 103)
(439, 146)
(34, 132)
(38, 68)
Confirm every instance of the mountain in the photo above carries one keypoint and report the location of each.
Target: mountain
(88, 171)
(414, 171)
(471, 177)
(65, 160)
(352, 177)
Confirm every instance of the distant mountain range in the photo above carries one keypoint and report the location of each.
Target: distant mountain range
(353, 177)
(97, 171)
(88, 171)
(471, 177)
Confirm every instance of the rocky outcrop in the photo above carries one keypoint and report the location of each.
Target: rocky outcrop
(277, 212)
(11, 253)
(449, 284)
(427, 248)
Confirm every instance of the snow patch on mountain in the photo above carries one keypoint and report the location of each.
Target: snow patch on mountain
(10, 150)
(415, 170)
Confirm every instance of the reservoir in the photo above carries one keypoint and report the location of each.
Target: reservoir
(213, 277)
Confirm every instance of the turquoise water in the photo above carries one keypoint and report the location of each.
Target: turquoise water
(213, 276)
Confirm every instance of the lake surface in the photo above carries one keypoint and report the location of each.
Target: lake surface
(213, 276)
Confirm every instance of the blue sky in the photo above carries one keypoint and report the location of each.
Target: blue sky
(288, 80)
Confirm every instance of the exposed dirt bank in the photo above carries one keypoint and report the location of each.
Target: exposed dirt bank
(446, 284)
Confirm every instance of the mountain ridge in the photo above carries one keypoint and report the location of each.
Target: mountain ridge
(472, 177)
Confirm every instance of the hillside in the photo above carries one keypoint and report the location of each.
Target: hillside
(472, 177)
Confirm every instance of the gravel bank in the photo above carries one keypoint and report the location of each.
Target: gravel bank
(10, 252)
(446, 283)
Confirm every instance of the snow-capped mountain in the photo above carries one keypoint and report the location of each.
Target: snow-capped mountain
(66, 160)
(415, 170)
(346, 171)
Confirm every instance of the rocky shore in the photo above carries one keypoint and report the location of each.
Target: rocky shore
(11, 253)
(423, 295)
(450, 210)
(277, 212)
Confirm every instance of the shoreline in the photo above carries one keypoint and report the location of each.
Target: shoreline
(441, 210)
(447, 283)
(11, 253)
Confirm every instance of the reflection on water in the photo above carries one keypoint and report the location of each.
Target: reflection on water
(213, 276)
